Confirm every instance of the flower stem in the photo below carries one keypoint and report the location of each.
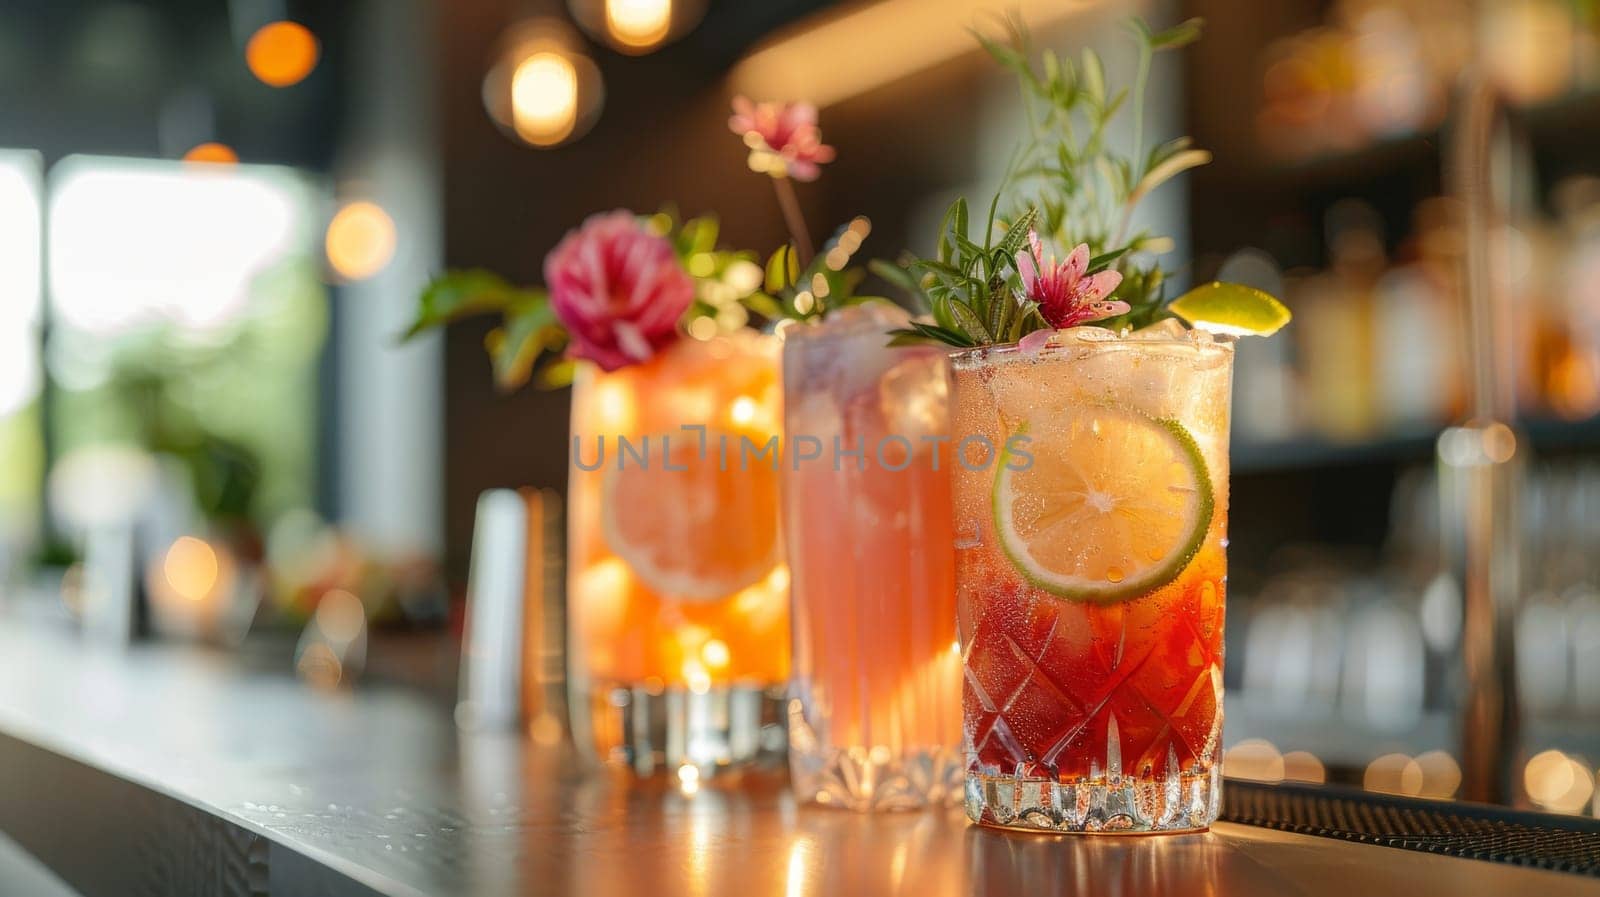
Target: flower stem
(796, 221)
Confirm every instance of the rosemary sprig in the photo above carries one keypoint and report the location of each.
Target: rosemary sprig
(1068, 182)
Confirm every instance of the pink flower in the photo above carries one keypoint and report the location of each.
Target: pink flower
(1065, 295)
(618, 289)
(784, 139)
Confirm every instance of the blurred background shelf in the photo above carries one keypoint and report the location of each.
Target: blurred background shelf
(1406, 447)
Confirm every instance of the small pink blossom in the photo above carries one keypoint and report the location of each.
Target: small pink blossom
(1066, 296)
(618, 289)
(784, 139)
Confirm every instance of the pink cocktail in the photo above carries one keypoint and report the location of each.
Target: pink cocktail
(875, 713)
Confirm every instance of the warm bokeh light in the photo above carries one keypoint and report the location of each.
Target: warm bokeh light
(319, 666)
(543, 89)
(360, 241)
(694, 673)
(1558, 782)
(341, 616)
(1303, 766)
(544, 98)
(715, 654)
(212, 153)
(688, 778)
(1393, 774)
(282, 53)
(638, 24)
(703, 328)
(1255, 759)
(1441, 774)
(191, 568)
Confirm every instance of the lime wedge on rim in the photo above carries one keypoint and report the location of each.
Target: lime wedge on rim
(1231, 308)
(1113, 504)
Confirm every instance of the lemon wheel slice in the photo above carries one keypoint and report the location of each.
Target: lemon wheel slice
(687, 528)
(1101, 504)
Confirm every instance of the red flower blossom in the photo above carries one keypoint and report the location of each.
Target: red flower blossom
(618, 289)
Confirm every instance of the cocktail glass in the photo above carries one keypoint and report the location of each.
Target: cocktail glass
(875, 708)
(1090, 571)
(678, 596)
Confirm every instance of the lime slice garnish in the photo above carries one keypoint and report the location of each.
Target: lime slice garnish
(1113, 505)
(1231, 308)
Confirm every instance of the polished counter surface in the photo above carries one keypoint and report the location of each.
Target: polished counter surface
(162, 770)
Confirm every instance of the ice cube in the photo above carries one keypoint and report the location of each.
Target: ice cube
(1164, 329)
(815, 415)
(914, 397)
(1085, 334)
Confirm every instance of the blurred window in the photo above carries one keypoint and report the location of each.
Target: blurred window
(187, 319)
(21, 448)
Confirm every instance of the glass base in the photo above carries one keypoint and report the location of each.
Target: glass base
(864, 779)
(655, 729)
(1183, 802)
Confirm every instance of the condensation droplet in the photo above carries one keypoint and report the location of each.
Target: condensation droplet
(1115, 574)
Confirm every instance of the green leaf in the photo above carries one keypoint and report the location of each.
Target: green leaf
(939, 268)
(895, 275)
(529, 331)
(954, 222)
(942, 314)
(969, 323)
(1112, 175)
(942, 334)
(1026, 321)
(1094, 77)
(696, 235)
(460, 294)
(1017, 234)
(1164, 151)
(1180, 35)
(1102, 261)
(907, 337)
(763, 305)
(556, 374)
(1172, 167)
(779, 264)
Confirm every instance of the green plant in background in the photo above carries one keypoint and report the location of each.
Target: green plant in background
(1067, 183)
(235, 408)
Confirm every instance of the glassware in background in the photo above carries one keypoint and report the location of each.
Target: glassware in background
(875, 706)
(678, 601)
(1361, 670)
(1378, 71)
(1091, 580)
(1337, 342)
(1349, 381)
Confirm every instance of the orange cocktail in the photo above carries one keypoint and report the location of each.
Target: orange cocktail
(678, 604)
(1091, 571)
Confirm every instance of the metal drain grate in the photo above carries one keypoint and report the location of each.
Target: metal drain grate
(1559, 843)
